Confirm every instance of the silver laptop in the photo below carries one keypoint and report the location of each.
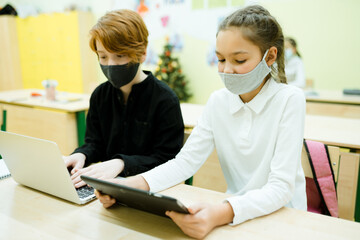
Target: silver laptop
(38, 164)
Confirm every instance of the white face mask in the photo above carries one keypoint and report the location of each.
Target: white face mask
(247, 82)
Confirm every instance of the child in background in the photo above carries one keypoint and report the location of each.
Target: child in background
(294, 67)
(134, 121)
(256, 124)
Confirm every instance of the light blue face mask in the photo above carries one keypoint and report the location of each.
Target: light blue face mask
(288, 53)
(247, 82)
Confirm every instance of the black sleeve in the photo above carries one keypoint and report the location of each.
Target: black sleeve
(93, 147)
(168, 140)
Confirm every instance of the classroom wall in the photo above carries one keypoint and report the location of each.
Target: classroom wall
(328, 36)
(326, 31)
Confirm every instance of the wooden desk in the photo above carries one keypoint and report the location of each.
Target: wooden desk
(331, 96)
(62, 121)
(337, 131)
(29, 214)
(332, 103)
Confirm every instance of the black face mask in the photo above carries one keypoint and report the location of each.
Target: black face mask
(120, 75)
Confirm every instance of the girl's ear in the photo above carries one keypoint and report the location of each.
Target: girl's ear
(143, 57)
(271, 56)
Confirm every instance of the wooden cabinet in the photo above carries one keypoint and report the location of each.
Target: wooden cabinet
(59, 121)
(56, 126)
(48, 46)
(10, 70)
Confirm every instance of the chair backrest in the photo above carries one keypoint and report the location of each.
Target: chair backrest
(321, 189)
(346, 171)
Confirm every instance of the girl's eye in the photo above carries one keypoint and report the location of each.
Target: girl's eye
(221, 60)
(241, 62)
(120, 56)
(102, 57)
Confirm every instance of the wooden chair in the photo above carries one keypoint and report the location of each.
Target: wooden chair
(346, 172)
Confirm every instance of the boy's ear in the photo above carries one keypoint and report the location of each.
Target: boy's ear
(271, 56)
(143, 57)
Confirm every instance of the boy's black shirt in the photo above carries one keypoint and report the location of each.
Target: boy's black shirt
(145, 133)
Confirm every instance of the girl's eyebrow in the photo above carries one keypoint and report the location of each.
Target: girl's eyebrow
(234, 53)
(239, 52)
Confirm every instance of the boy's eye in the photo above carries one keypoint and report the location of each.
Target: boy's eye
(221, 60)
(102, 57)
(241, 62)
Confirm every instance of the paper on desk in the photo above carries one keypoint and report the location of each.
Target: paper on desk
(4, 171)
(64, 99)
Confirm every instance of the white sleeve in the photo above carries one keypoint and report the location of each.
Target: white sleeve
(300, 80)
(187, 162)
(286, 161)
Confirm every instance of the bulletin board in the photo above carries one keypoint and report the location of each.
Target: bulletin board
(173, 19)
(190, 26)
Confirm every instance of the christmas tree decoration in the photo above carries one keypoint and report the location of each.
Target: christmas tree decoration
(169, 71)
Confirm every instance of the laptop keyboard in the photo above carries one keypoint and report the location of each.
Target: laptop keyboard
(85, 191)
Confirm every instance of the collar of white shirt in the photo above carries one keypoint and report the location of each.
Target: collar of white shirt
(270, 88)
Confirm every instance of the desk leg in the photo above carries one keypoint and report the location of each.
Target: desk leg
(3, 125)
(357, 200)
(189, 181)
(81, 127)
(357, 203)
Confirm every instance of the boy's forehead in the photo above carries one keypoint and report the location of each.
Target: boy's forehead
(100, 48)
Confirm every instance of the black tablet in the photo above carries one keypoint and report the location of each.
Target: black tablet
(142, 200)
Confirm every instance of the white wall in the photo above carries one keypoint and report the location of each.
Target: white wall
(327, 33)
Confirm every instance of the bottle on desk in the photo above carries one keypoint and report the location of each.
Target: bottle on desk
(50, 89)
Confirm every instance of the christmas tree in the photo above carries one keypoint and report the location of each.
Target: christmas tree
(169, 71)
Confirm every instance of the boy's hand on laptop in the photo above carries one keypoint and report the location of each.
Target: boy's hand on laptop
(75, 161)
(104, 170)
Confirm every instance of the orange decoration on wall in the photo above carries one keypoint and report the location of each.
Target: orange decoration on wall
(142, 8)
